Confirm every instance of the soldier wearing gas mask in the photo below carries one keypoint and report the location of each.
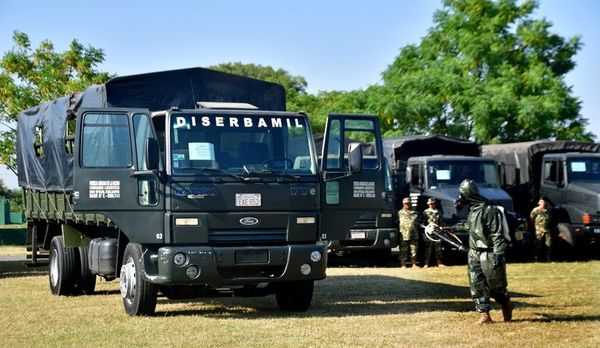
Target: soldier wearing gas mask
(487, 244)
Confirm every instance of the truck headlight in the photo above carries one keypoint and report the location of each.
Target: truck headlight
(192, 272)
(315, 256)
(305, 269)
(179, 259)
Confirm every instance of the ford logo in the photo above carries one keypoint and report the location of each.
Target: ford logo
(248, 221)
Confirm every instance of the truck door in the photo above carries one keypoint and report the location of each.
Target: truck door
(353, 199)
(553, 183)
(111, 176)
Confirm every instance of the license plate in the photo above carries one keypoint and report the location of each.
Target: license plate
(247, 200)
(358, 235)
(251, 256)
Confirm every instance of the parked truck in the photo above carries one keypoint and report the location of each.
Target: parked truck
(567, 173)
(140, 180)
(434, 166)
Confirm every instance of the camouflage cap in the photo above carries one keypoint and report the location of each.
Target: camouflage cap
(431, 200)
(406, 200)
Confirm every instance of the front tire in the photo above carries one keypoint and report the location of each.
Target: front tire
(63, 269)
(139, 296)
(294, 296)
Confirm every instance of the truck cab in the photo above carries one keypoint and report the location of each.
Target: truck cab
(571, 182)
(194, 202)
(440, 176)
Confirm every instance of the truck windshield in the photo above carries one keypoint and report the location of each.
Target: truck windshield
(452, 173)
(240, 144)
(584, 169)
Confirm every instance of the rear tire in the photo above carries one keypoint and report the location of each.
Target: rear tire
(87, 280)
(63, 269)
(294, 296)
(139, 296)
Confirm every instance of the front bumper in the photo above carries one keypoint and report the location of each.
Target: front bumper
(366, 239)
(220, 266)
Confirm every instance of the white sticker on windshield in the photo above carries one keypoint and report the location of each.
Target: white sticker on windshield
(442, 174)
(201, 151)
(578, 167)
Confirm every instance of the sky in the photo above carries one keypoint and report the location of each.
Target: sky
(335, 45)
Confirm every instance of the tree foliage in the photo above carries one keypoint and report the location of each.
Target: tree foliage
(31, 76)
(488, 71)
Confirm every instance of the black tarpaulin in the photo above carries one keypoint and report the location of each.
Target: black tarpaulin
(400, 149)
(49, 168)
(183, 88)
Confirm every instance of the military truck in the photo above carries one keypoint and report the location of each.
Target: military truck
(137, 179)
(359, 207)
(434, 166)
(567, 173)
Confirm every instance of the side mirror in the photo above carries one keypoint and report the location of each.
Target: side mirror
(152, 154)
(355, 157)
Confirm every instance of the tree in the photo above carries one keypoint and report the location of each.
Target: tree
(295, 86)
(488, 71)
(30, 76)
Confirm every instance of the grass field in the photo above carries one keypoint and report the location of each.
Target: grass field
(12, 250)
(557, 305)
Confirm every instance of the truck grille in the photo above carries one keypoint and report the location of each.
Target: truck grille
(247, 236)
(365, 224)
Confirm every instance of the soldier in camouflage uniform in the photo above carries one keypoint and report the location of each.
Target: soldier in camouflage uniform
(432, 217)
(487, 244)
(540, 216)
(409, 232)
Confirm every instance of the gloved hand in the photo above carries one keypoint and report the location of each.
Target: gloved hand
(499, 260)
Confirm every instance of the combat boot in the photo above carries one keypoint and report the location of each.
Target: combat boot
(485, 319)
(507, 309)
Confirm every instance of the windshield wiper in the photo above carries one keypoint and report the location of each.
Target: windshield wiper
(221, 171)
(268, 172)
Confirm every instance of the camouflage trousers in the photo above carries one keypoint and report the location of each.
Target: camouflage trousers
(433, 251)
(543, 245)
(406, 244)
(485, 281)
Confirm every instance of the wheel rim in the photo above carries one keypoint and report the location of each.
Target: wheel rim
(128, 280)
(54, 268)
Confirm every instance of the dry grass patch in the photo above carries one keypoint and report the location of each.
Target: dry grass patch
(12, 250)
(556, 305)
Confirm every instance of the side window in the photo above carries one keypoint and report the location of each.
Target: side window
(362, 131)
(334, 145)
(147, 188)
(550, 171)
(415, 174)
(106, 142)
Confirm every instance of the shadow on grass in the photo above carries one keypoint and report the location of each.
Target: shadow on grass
(342, 296)
(560, 318)
(17, 269)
